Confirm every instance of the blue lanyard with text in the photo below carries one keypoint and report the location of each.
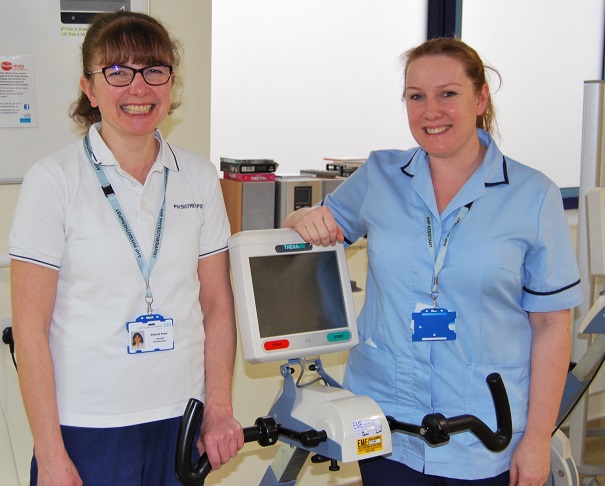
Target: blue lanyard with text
(159, 229)
(438, 262)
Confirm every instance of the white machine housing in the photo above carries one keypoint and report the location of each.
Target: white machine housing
(293, 299)
(355, 422)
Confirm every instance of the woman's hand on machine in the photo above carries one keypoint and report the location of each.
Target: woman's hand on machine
(221, 436)
(316, 225)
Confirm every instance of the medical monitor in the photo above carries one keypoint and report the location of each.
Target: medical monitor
(293, 299)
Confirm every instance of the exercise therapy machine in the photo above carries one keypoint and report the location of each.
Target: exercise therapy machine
(294, 303)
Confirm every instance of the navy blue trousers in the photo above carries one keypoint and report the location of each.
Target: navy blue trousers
(137, 455)
(379, 471)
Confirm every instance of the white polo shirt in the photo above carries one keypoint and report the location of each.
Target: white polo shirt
(64, 221)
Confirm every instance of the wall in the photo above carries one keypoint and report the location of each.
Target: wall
(15, 437)
(189, 126)
(299, 81)
(315, 79)
(544, 50)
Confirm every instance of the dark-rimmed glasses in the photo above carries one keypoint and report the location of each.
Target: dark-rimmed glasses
(124, 75)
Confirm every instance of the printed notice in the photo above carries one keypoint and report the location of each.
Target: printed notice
(17, 91)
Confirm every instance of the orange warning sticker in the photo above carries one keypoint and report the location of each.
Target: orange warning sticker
(369, 444)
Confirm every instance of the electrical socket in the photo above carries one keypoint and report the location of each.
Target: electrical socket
(5, 321)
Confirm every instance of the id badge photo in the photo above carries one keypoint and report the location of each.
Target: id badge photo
(149, 333)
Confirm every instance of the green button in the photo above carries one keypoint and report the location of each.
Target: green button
(339, 336)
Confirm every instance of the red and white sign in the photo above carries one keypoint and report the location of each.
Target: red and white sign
(17, 91)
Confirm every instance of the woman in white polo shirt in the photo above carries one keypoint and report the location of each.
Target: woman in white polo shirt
(122, 233)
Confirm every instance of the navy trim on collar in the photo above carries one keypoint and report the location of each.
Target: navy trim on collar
(403, 169)
(174, 155)
(504, 172)
(487, 184)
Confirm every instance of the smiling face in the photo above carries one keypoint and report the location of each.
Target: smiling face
(443, 107)
(127, 39)
(133, 110)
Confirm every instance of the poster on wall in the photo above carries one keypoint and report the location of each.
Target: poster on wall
(17, 91)
(71, 18)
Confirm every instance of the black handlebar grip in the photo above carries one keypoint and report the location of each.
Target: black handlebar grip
(503, 435)
(494, 441)
(188, 475)
(265, 431)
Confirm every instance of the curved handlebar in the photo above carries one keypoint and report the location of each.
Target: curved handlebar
(188, 475)
(265, 431)
(436, 429)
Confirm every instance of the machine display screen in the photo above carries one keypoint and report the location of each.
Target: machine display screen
(297, 293)
(293, 299)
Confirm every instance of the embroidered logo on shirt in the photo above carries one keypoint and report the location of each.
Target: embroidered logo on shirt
(188, 206)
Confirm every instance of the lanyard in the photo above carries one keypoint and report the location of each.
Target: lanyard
(144, 267)
(438, 262)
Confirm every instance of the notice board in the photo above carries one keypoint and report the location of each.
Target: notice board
(47, 34)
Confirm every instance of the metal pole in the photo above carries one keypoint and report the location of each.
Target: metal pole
(591, 175)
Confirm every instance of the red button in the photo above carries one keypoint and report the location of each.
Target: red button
(277, 344)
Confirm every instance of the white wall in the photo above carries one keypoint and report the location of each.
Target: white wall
(544, 51)
(15, 437)
(299, 81)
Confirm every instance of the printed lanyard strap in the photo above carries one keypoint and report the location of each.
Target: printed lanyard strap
(144, 267)
(439, 261)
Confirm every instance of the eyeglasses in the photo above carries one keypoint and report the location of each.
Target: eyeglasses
(124, 75)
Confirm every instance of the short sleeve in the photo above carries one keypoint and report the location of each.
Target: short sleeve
(347, 200)
(38, 231)
(215, 231)
(552, 280)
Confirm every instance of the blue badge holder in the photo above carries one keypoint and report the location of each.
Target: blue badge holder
(434, 324)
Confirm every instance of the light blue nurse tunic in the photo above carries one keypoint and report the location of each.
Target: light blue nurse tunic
(510, 255)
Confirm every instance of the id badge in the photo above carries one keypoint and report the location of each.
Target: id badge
(150, 333)
(434, 324)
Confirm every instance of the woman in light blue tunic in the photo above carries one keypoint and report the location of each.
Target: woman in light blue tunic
(455, 224)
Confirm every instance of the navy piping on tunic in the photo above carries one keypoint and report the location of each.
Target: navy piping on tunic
(533, 292)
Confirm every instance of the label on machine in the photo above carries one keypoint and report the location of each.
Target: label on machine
(369, 444)
(368, 435)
